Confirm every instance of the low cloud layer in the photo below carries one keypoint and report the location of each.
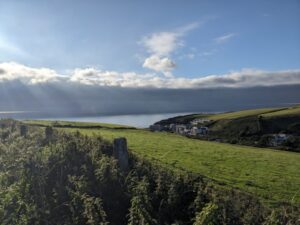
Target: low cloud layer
(13, 71)
(91, 91)
(90, 76)
(75, 99)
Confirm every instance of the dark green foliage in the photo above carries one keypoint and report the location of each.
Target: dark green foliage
(55, 183)
(294, 128)
(283, 215)
(49, 133)
(141, 211)
(85, 209)
(111, 186)
(182, 119)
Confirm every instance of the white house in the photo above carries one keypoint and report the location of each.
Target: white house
(200, 121)
(195, 131)
(180, 129)
(172, 127)
(278, 139)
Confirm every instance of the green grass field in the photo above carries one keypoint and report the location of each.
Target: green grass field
(74, 124)
(270, 174)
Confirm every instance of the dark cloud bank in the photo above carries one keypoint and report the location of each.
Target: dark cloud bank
(71, 99)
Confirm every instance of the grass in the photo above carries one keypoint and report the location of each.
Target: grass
(270, 174)
(265, 112)
(74, 124)
(292, 111)
(244, 113)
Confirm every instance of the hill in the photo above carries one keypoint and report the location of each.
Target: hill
(265, 112)
(254, 127)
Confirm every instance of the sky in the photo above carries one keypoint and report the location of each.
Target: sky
(138, 44)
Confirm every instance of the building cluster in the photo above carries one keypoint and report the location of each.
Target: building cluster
(278, 139)
(190, 129)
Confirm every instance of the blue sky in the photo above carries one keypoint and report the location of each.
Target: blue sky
(137, 56)
(179, 38)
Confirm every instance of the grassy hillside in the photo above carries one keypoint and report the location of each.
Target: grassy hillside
(270, 174)
(292, 111)
(183, 119)
(248, 127)
(264, 112)
(244, 113)
(253, 127)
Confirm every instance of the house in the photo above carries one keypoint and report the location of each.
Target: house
(278, 139)
(204, 130)
(172, 127)
(187, 131)
(195, 131)
(180, 129)
(166, 128)
(200, 121)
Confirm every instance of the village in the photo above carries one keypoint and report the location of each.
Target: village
(198, 128)
(194, 128)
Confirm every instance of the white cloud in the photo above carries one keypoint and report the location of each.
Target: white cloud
(159, 64)
(91, 76)
(224, 38)
(165, 43)
(189, 27)
(161, 45)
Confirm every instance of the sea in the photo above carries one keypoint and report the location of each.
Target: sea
(136, 120)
